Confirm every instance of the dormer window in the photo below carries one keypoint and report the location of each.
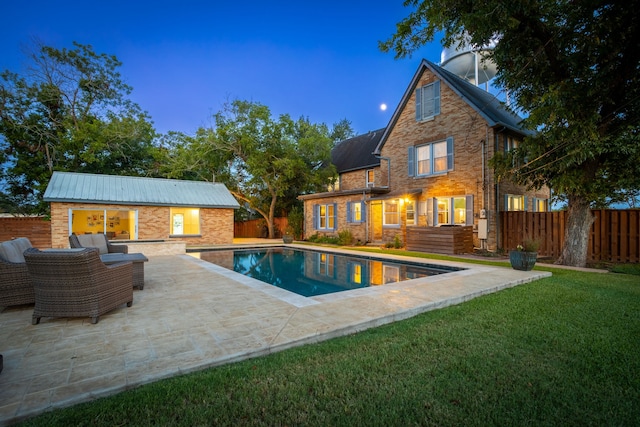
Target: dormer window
(428, 101)
(370, 178)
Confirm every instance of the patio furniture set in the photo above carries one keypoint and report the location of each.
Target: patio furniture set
(88, 280)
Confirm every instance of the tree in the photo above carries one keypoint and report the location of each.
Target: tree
(573, 68)
(260, 159)
(69, 112)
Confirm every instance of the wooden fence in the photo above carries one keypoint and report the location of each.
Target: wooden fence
(258, 228)
(614, 235)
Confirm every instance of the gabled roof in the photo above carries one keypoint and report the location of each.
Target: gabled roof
(357, 152)
(487, 105)
(127, 190)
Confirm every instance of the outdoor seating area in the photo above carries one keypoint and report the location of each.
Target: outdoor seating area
(76, 283)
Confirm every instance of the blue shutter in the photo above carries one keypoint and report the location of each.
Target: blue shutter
(450, 153)
(419, 104)
(436, 97)
(363, 209)
(524, 203)
(316, 222)
(349, 218)
(335, 216)
(469, 210)
(411, 154)
(506, 202)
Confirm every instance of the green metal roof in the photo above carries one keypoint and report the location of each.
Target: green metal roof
(128, 190)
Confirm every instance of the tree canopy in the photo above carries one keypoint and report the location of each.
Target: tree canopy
(68, 112)
(265, 162)
(574, 69)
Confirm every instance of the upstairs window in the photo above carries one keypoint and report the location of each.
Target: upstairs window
(370, 178)
(430, 159)
(428, 101)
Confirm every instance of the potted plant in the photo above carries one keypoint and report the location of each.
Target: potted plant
(287, 237)
(525, 255)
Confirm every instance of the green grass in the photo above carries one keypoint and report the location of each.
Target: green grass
(564, 350)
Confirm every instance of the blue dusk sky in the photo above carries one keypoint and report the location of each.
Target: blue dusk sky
(185, 59)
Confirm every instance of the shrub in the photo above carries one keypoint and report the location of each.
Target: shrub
(345, 238)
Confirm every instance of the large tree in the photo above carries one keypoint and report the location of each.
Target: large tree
(573, 68)
(68, 112)
(261, 159)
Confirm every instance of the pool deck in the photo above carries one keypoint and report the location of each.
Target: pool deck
(193, 315)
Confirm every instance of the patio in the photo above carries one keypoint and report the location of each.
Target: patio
(192, 315)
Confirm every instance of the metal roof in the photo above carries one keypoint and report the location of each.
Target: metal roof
(128, 190)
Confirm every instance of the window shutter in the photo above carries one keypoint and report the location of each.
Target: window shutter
(524, 203)
(469, 210)
(363, 210)
(419, 104)
(411, 154)
(316, 222)
(436, 97)
(450, 153)
(349, 219)
(506, 202)
(335, 216)
(430, 204)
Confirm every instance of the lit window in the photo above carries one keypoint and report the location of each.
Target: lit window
(443, 211)
(539, 205)
(459, 210)
(325, 217)
(185, 221)
(355, 211)
(432, 158)
(391, 212)
(514, 203)
(449, 210)
(370, 178)
(356, 273)
(411, 212)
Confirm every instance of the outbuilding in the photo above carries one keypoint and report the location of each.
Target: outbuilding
(138, 209)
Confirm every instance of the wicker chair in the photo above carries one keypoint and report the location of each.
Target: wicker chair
(96, 241)
(15, 284)
(75, 283)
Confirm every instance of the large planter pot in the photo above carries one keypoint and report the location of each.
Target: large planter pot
(287, 238)
(521, 260)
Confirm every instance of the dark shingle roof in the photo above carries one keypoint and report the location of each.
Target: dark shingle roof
(357, 152)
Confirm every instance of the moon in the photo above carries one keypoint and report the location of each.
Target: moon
(383, 107)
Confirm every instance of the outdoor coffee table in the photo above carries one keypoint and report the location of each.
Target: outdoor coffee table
(138, 261)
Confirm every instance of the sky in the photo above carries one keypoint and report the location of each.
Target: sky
(185, 59)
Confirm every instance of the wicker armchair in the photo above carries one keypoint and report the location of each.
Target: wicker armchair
(75, 283)
(15, 284)
(96, 241)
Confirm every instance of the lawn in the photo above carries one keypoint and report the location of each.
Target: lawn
(564, 350)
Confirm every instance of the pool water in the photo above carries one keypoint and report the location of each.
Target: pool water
(310, 273)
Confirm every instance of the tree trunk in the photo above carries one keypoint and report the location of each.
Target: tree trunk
(576, 235)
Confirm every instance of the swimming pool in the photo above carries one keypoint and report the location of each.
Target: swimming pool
(310, 272)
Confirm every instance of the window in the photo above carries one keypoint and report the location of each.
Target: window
(515, 203)
(510, 143)
(115, 224)
(449, 210)
(432, 158)
(540, 205)
(411, 212)
(185, 221)
(390, 274)
(355, 272)
(391, 213)
(370, 178)
(324, 217)
(355, 212)
(326, 265)
(428, 101)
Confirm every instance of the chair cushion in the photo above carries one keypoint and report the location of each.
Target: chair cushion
(13, 250)
(94, 241)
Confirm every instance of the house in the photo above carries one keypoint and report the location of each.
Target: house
(428, 168)
(139, 209)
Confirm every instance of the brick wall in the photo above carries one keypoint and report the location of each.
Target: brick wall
(216, 225)
(36, 229)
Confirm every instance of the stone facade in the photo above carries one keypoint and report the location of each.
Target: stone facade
(474, 142)
(216, 225)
